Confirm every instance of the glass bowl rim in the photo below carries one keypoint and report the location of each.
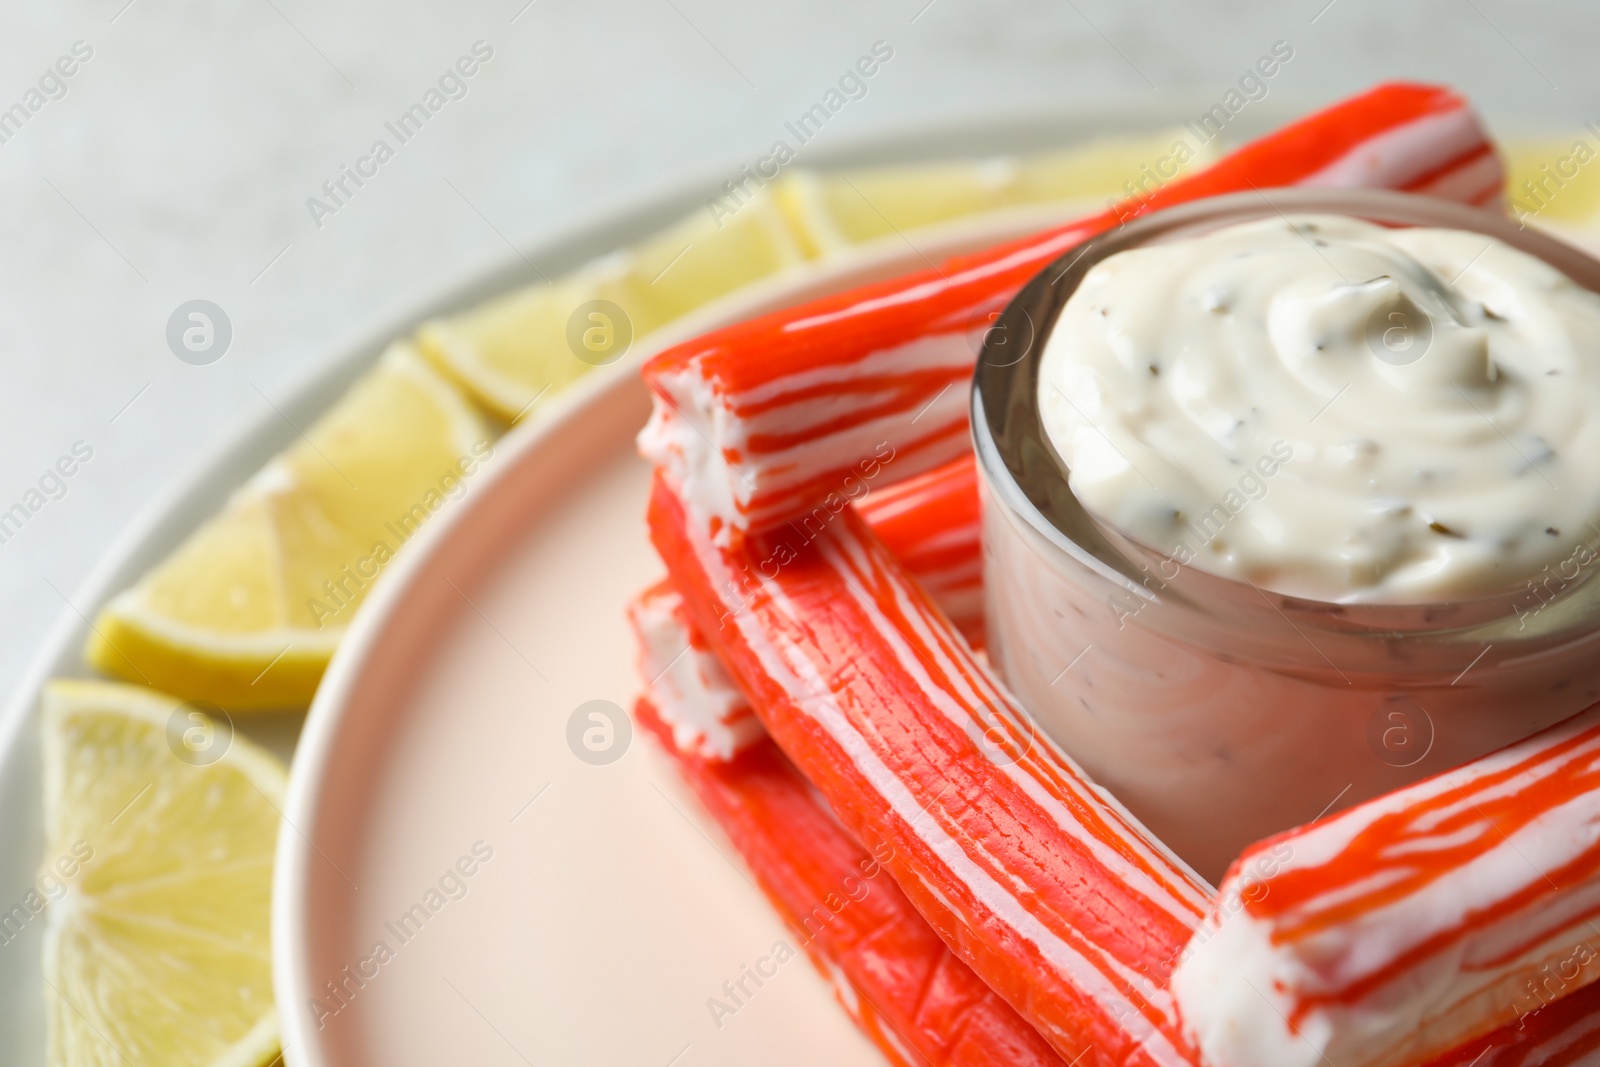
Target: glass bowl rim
(1020, 468)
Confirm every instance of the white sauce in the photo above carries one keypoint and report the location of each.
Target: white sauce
(1335, 410)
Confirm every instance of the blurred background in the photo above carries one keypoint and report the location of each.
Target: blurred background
(177, 160)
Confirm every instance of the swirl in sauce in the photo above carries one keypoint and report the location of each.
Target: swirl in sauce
(1334, 410)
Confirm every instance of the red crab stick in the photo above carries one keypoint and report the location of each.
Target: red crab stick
(1560, 1033)
(892, 973)
(691, 691)
(933, 526)
(1411, 923)
(930, 523)
(1040, 882)
(768, 420)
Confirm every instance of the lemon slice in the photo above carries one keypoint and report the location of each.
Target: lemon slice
(159, 834)
(1553, 179)
(1112, 168)
(522, 348)
(247, 611)
(841, 208)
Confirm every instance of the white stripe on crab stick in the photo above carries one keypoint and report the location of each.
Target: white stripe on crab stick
(1061, 241)
(1389, 159)
(1316, 847)
(798, 464)
(947, 350)
(1468, 182)
(966, 535)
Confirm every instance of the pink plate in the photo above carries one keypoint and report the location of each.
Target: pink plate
(455, 884)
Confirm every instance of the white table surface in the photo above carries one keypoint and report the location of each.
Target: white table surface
(178, 164)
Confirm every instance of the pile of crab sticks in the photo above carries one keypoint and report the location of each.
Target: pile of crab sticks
(813, 672)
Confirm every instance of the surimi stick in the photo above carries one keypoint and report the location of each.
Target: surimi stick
(932, 524)
(1412, 923)
(904, 988)
(691, 692)
(1039, 881)
(867, 1019)
(1563, 1033)
(771, 419)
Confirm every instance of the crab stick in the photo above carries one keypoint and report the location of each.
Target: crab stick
(905, 989)
(1562, 1032)
(692, 694)
(1410, 924)
(932, 524)
(1041, 882)
(929, 522)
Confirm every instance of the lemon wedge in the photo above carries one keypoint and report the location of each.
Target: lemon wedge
(248, 610)
(1554, 179)
(160, 827)
(520, 349)
(835, 209)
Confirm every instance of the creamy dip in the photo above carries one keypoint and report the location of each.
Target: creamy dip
(1332, 409)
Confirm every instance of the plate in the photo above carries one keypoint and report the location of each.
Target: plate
(602, 403)
(602, 911)
(459, 878)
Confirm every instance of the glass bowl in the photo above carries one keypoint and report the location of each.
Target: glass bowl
(1217, 711)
